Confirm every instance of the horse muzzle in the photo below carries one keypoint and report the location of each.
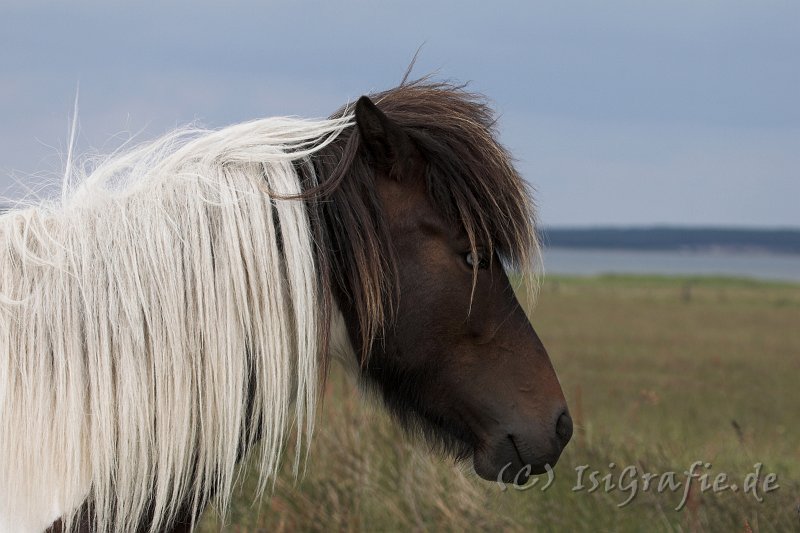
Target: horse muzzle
(514, 454)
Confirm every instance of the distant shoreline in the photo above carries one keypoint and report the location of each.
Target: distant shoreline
(689, 239)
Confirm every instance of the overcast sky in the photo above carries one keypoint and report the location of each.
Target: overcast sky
(623, 113)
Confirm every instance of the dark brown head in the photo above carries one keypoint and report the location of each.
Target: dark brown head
(418, 262)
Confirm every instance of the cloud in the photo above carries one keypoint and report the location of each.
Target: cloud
(624, 99)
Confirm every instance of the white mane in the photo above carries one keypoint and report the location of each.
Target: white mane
(136, 312)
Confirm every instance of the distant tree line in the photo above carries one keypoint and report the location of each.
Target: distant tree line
(670, 238)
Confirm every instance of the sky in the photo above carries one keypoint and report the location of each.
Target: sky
(618, 112)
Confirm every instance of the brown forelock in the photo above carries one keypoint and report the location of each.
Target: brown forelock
(470, 179)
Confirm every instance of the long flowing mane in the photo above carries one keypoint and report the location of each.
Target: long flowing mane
(137, 313)
(174, 306)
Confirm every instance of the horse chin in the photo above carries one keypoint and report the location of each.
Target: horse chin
(445, 440)
(501, 461)
(445, 435)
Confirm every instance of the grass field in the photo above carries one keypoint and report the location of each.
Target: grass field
(658, 372)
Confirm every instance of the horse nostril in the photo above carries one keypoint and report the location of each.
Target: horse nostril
(564, 428)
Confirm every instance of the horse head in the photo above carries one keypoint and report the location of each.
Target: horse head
(458, 359)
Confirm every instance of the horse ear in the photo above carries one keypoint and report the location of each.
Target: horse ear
(386, 142)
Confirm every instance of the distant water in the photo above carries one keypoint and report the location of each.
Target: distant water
(587, 262)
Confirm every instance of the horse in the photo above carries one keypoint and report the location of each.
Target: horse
(176, 309)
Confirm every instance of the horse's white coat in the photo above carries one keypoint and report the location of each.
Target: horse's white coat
(129, 311)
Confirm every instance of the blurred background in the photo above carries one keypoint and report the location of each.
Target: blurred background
(663, 142)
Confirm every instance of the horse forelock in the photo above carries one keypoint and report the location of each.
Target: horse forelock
(470, 179)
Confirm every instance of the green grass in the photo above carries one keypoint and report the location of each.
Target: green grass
(659, 373)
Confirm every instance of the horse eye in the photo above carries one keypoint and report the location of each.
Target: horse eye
(483, 263)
